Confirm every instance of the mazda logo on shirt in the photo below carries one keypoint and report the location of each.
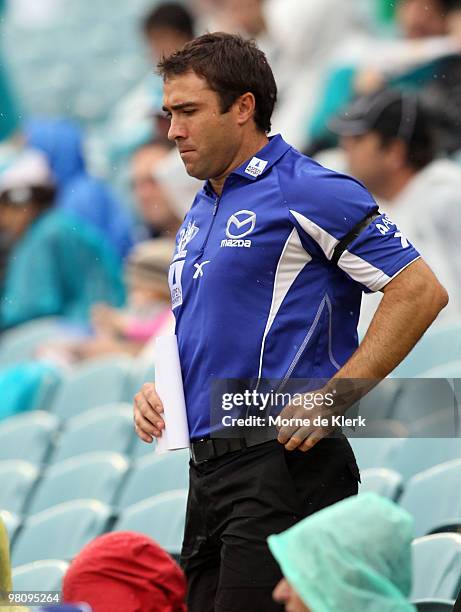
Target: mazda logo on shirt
(240, 224)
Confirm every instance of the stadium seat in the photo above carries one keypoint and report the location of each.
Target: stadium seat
(44, 575)
(59, 532)
(377, 404)
(20, 343)
(11, 522)
(447, 370)
(91, 476)
(96, 430)
(155, 474)
(436, 566)
(443, 423)
(434, 605)
(374, 452)
(433, 498)
(95, 383)
(438, 346)
(161, 517)
(415, 455)
(27, 436)
(382, 482)
(17, 478)
(418, 398)
(142, 449)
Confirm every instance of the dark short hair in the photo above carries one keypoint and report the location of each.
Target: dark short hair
(169, 16)
(231, 66)
(450, 5)
(417, 134)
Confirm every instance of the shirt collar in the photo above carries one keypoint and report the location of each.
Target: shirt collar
(260, 163)
(264, 159)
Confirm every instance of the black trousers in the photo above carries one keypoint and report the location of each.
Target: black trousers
(236, 501)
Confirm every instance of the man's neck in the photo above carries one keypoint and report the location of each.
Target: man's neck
(250, 147)
(395, 184)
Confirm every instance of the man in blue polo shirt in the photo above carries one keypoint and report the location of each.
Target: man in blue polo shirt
(266, 282)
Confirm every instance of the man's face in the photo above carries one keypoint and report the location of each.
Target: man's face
(207, 139)
(366, 160)
(421, 18)
(153, 204)
(284, 593)
(14, 220)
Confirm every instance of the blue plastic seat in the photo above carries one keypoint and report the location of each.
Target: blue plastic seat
(20, 343)
(95, 383)
(155, 474)
(416, 455)
(436, 566)
(418, 398)
(374, 452)
(28, 436)
(17, 478)
(99, 429)
(59, 532)
(44, 575)
(142, 449)
(161, 517)
(91, 476)
(438, 346)
(433, 498)
(381, 481)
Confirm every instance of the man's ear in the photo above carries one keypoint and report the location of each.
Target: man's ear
(245, 107)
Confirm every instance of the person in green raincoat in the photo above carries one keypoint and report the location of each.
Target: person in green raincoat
(350, 557)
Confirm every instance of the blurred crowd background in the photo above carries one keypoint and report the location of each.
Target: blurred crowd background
(92, 192)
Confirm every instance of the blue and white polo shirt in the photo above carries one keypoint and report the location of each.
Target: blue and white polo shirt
(254, 290)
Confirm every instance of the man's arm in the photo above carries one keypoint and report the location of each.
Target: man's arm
(411, 302)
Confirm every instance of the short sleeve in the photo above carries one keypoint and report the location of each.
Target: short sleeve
(326, 206)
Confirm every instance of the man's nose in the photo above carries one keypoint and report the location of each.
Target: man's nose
(177, 130)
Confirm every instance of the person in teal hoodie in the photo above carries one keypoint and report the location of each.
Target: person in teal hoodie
(353, 556)
(58, 265)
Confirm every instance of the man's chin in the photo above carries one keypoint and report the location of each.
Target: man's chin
(195, 172)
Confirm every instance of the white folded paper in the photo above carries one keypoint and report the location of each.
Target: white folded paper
(169, 386)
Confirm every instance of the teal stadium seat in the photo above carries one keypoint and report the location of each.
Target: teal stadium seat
(155, 474)
(28, 436)
(433, 498)
(436, 566)
(421, 398)
(17, 478)
(142, 449)
(95, 475)
(416, 455)
(374, 452)
(381, 481)
(161, 517)
(95, 383)
(59, 532)
(439, 346)
(19, 344)
(96, 430)
(11, 522)
(44, 575)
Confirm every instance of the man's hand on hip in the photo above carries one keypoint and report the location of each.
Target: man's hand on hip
(304, 437)
(148, 411)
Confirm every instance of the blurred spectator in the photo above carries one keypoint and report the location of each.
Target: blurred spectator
(125, 571)
(388, 146)
(58, 265)
(79, 193)
(354, 555)
(146, 316)
(166, 27)
(152, 201)
(9, 110)
(364, 64)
